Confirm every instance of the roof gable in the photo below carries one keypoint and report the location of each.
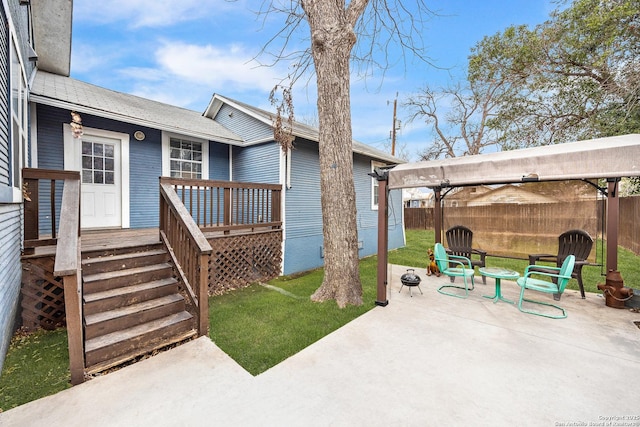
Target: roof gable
(300, 130)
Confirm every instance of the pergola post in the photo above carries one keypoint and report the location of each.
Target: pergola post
(613, 217)
(437, 214)
(382, 176)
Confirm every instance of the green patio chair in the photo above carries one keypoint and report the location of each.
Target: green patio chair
(463, 268)
(561, 275)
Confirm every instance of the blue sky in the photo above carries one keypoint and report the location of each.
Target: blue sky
(182, 52)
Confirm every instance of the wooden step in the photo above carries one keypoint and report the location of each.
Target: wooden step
(118, 319)
(123, 248)
(120, 297)
(114, 348)
(131, 276)
(123, 261)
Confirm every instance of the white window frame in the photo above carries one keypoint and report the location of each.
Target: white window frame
(166, 153)
(18, 116)
(375, 185)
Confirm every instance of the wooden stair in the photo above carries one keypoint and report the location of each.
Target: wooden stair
(131, 305)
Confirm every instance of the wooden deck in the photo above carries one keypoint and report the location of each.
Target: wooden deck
(95, 240)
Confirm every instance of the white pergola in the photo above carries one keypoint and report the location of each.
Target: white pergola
(610, 158)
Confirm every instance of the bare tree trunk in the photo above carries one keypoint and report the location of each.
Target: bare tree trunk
(332, 39)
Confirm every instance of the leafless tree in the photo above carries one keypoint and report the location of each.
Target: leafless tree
(363, 32)
(458, 118)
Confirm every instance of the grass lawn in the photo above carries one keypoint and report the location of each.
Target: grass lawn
(260, 327)
(418, 241)
(257, 326)
(37, 365)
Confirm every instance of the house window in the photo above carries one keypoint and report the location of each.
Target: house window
(18, 131)
(185, 158)
(374, 186)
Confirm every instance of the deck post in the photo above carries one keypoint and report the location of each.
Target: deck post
(203, 294)
(74, 326)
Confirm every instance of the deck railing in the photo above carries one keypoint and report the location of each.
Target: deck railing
(67, 259)
(189, 250)
(229, 206)
(33, 178)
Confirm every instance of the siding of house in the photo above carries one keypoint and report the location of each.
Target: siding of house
(145, 166)
(368, 217)
(11, 268)
(258, 163)
(10, 213)
(5, 181)
(243, 125)
(218, 161)
(145, 161)
(303, 245)
(304, 240)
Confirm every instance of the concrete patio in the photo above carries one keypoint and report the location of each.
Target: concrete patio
(424, 360)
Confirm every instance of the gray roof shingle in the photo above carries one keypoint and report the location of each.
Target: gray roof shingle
(299, 129)
(66, 92)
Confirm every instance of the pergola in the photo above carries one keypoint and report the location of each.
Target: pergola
(608, 158)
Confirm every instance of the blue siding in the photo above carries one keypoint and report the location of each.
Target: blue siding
(11, 268)
(258, 163)
(243, 125)
(50, 156)
(304, 213)
(5, 181)
(145, 161)
(145, 167)
(218, 161)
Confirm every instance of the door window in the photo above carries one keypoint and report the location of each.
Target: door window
(98, 163)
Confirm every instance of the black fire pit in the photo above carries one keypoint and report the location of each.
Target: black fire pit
(410, 279)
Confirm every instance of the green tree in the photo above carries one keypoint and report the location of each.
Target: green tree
(576, 76)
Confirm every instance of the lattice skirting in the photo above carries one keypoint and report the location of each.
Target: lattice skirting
(237, 261)
(42, 295)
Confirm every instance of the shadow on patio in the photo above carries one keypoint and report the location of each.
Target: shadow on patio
(424, 360)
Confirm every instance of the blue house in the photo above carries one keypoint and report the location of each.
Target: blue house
(24, 30)
(231, 141)
(119, 145)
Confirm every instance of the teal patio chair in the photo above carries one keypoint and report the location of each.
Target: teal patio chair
(463, 268)
(561, 275)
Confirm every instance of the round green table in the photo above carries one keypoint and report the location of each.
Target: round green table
(499, 273)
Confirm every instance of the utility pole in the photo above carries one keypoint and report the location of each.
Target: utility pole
(395, 127)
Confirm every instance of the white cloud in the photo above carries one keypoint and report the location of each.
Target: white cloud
(222, 67)
(147, 13)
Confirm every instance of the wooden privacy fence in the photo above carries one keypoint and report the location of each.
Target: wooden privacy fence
(520, 229)
(629, 227)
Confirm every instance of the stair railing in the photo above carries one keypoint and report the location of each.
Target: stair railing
(68, 248)
(189, 250)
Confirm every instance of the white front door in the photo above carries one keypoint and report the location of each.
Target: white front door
(101, 182)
